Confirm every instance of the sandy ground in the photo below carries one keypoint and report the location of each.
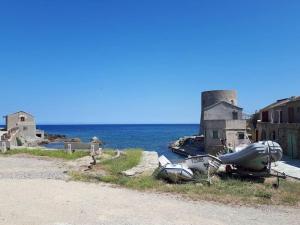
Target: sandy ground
(48, 199)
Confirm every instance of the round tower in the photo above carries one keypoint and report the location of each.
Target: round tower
(209, 98)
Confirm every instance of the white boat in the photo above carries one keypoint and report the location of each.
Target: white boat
(175, 173)
(206, 164)
(256, 156)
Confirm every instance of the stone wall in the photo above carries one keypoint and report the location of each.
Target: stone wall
(81, 146)
(209, 98)
(286, 134)
(226, 129)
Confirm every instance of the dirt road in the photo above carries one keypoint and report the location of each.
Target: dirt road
(50, 200)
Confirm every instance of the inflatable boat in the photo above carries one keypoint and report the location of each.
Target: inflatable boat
(256, 156)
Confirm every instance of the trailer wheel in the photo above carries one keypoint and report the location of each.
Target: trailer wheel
(228, 169)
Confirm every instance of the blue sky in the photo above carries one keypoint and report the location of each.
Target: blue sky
(144, 61)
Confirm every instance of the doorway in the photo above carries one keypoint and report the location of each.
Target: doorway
(292, 145)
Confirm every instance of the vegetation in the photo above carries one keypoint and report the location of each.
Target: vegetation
(233, 190)
(53, 153)
(124, 162)
(225, 189)
(19, 142)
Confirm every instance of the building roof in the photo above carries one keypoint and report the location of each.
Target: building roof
(221, 102)
(281, 102)
(19, 112)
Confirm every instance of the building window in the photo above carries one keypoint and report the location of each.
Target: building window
(22, 118)
(215, 134)
(241, 136)
(256, 135)
(291, 114)
(298, 109)
(25, 128)
(274, 135)
(234, 115)
(280, 117)
(265, 116)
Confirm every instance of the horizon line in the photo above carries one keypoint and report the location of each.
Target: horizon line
(42, 124)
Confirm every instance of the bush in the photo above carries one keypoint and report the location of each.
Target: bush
(19, 142)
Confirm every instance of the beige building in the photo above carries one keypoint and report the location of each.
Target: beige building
(280, 121)
(222, 121)
(20, 129)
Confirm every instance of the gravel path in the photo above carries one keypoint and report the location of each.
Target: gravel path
(44, 201)
(27, 167)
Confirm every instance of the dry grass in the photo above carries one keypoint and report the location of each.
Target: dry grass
(224, 189)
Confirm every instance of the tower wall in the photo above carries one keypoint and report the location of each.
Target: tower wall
(209, 98)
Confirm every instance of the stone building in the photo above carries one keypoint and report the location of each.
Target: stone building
(280, 121)
(20, 129)
(222, 121)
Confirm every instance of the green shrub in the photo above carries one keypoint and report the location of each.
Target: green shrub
(19, 142)
(263, 194)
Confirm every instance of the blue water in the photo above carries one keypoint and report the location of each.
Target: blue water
(149, 137)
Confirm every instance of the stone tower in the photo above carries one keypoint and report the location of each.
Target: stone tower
(209, 98)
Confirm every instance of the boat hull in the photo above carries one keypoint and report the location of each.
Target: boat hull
(175, 173)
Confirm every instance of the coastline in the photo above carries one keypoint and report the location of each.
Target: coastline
(151, 137)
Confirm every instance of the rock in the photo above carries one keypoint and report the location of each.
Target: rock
(44, 142)
(148, 164)
(75, 140)
(55, 137)
(97, 141)
(80, 164)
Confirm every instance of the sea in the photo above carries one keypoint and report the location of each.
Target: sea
(151, 137)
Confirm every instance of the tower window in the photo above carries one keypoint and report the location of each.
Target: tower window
(215, 134)
(241, 136)
(22, 118)
(234, 115)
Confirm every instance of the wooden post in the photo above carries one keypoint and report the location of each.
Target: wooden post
(93, 154)
(69, 149)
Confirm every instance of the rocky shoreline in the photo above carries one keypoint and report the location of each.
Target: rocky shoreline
(55, 138)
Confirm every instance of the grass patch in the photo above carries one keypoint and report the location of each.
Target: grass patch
(109, 151)
(130, 159)
(232, 190)
(49, 153)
